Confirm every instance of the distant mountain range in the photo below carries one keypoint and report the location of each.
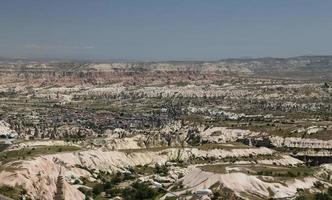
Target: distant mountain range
(304, 67)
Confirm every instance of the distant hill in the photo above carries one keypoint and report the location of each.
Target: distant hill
(302, 67)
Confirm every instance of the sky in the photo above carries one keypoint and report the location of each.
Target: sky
(164, 29)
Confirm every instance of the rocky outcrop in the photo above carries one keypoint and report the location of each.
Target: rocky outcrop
(39, 175)
(244, 184)
(301, 142)
(6, 131)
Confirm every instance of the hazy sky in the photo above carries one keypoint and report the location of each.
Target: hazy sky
(164, 29)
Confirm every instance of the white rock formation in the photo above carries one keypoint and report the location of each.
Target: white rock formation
(223, 134)
(242, 183)
(300, 142)
(6, 131)
(39, 174)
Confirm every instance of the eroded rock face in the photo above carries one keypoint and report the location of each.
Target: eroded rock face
(6, 131)
(301, 142)
(224, 135)
(174, 135)
(242, 184)
(39, 175)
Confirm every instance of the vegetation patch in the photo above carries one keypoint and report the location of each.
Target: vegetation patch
(26, 153)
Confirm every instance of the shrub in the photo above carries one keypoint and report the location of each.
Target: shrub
(321, 196)
(97, 189)
(139, 191)
(329, 191)
(301, 197)
(161, 169)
